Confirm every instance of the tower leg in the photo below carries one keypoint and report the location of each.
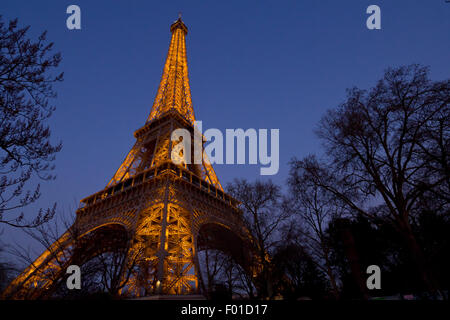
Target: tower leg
(162, 251)
(199, 285)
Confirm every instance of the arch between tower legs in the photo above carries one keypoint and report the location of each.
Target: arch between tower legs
(214, 224)
(174, 230)
(163, 226)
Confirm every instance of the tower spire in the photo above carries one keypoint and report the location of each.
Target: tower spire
(154, 148)
(174, 93)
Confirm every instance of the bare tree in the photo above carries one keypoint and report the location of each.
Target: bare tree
(244, 285)
(26, 85)
(51, 236)
(220, 273)
(296, 271)
(115, 268)
(261, 204)
(314, 207)
(223, 275)
(378, 150)
(7, 269)
(213, 262)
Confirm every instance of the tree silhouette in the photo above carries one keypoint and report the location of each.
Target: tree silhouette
(386, 149)
(313, 207)
(26, 85)
(263, 216)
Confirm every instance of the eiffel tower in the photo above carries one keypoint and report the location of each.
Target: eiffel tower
(169, 211)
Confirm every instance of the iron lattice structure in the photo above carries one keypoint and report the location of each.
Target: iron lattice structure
(164, 213)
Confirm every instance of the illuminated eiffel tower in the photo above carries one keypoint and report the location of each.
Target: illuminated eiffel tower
(165, 212)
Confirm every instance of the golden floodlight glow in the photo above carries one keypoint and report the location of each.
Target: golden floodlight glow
(157, 213)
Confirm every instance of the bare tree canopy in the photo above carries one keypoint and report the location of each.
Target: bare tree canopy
(26, 85)
(394, 139)
(313, 208)
(260, 202)
(387, 151)
(263, 216)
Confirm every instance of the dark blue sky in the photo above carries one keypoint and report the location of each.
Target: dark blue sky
(252, 64)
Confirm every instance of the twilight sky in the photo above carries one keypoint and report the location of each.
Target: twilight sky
(252, 64)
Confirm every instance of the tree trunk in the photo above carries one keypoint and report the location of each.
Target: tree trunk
(352, 257)
(331, 275)
(418, 256)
